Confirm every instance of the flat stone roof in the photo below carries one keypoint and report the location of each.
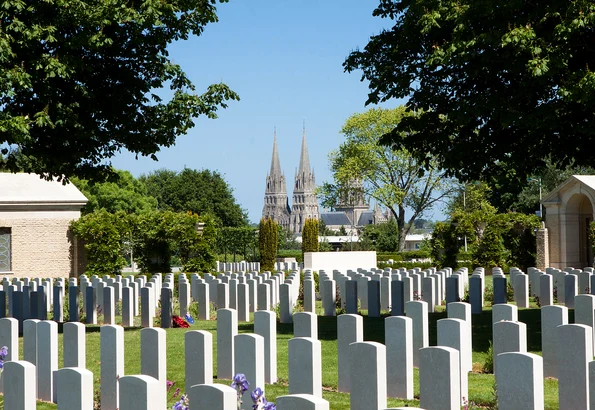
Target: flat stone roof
(31, 189)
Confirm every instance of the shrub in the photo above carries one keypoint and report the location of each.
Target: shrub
(267, 243)
(310, 236)
(488, 365)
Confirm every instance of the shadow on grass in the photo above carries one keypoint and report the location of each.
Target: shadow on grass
(482, 328)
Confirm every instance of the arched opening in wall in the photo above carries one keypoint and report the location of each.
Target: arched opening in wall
(579, 214)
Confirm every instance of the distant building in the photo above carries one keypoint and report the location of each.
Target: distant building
(351, 213)
(35, 236)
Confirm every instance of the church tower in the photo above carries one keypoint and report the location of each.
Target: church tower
(305, 203)
(276, 205)
(352, 201)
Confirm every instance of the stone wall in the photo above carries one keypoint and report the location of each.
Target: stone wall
(339, 260)
(41, 243)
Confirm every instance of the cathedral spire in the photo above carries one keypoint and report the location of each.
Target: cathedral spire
(304, 159)
(275, 163)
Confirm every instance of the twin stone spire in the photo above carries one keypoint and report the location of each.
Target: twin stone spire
(304, 203)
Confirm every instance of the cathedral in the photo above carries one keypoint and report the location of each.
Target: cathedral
(304, 203)
(351, 212)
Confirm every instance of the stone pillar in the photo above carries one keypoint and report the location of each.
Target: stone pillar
(542, 256)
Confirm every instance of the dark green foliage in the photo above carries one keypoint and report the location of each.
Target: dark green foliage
(402, 256)
(102, 233)
(268, 240)
(79, 81)
(310, 236)
(491, 251)
(241, 241)
(518, 237)
(200, 192)
(492, 83)
(445, 245)
(290, 253)
(161, 235)
(383, 236)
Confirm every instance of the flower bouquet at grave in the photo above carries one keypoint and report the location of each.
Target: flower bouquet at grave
(177, 321)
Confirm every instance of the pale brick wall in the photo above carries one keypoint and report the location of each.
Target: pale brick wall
(41, 243)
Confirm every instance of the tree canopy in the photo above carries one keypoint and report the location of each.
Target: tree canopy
(126, 194)
(81, 81)
(200, 192)
(492, 82)
(392, 177)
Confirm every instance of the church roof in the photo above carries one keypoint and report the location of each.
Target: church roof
(366, 218)
(587, 180)
(335, 218)
(17, 189)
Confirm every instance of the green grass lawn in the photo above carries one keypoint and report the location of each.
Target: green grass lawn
(480, 385)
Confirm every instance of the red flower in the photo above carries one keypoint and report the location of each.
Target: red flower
(177, 321)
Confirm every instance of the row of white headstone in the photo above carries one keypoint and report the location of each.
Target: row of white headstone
(369, 371)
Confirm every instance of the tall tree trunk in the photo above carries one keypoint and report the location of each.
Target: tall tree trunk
(401, 226)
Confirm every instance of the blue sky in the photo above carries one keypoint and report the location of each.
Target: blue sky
(284, 59)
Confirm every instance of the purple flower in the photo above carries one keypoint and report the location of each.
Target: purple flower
(169, 384)
(182, 404)
(189, 318)
(177, 392)
(270, 406)
(240, 383)
(257, 395)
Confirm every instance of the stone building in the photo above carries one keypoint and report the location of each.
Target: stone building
(276, 203)
(568, 214)
(35, 214)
